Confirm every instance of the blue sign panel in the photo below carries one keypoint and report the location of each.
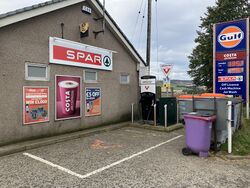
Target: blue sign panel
(231, 77)
(231, 36)
(230, 58)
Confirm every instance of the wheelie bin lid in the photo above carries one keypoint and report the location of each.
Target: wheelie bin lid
(216, 95)
(205, 117)
(203, 95)
(185, 96)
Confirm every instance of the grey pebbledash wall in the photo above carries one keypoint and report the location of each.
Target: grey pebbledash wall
(28, 41)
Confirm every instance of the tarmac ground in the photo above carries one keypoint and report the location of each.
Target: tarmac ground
(126, 157)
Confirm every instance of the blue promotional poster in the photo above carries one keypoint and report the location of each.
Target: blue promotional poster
(92, 101)
(230, 58)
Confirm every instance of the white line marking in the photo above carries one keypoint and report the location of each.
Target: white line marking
(127, 158)
(100, 169)
(54, 165)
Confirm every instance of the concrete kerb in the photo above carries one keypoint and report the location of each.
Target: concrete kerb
(237, 157)
(157, 128)
(27, 145)
(226, 156)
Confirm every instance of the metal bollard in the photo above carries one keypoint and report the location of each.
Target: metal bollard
(166, 115)
(132, 111)
(229, 128)
(154, 114)
(177, 113)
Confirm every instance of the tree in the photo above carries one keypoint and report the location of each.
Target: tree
(201, 59)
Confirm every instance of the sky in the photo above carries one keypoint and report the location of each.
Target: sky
(174, 25)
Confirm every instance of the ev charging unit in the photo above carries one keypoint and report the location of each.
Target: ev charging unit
(148, 97)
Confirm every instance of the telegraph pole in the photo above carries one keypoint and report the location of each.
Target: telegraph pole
(149, 36)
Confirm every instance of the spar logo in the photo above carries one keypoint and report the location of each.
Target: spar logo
(230, 37)
(107, 61)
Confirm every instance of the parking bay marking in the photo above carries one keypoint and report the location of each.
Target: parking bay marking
(100, 169)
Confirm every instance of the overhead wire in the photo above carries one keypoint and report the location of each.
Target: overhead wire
(142, 23)
(157, 38)
(137, 19)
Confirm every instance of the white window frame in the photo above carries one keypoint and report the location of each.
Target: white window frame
(27, 77)
(90, 81)
(124, 74)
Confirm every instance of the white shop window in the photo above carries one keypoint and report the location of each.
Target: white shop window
(90, 76)
(124, 78)
(36, 71)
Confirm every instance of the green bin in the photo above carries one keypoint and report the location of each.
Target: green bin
(171, 110)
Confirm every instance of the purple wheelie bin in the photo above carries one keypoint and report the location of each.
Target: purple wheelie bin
(198, 133)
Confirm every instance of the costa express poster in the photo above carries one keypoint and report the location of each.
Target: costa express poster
(35, 105)
(92, 101)
(231, 63)
(68, 97)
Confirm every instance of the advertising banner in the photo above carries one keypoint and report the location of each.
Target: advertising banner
(92, 101)
(67, 97)
(72, 53)
(35, 104)
(230, 58)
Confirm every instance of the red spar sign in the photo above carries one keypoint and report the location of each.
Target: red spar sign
(72, 53)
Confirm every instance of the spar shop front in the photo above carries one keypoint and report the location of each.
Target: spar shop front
(65, 66)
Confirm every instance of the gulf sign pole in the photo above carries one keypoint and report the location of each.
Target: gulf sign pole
(231, 59)
(248, 68)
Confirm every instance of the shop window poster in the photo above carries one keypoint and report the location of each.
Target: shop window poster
(67, 97)
(92, 101)
(35, 104)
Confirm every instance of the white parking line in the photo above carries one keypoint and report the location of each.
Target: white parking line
(54, 165)
(100, 169)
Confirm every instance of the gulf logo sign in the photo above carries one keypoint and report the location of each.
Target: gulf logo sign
(230, 37)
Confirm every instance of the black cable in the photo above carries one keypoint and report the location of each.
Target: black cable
(137, 19)
(139, 41)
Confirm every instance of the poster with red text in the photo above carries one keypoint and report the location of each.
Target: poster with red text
(92, 101)
(35, 104)
(67, 97)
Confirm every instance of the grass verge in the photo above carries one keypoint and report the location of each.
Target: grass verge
(241, 140)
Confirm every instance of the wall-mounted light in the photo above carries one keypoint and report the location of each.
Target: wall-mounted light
(84, 30)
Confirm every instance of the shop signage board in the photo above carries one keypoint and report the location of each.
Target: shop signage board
(35, 104)
(67, 97)
(65, 52)
(148, 85)
(231, 63)
(92, 101)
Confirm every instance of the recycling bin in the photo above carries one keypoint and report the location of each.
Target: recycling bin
(171, 110)
(213, 104)
(198, 133)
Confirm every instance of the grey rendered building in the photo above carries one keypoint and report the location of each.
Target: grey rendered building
(25, 61)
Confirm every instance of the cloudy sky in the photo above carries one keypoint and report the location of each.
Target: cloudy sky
(174, 25)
